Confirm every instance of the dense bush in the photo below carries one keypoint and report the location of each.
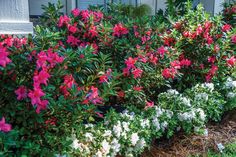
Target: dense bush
(68, 75)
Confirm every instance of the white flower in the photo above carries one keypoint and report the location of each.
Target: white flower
(231, 95)
(186, 116)
(210, 86)
(205, 133)
(125, 126)
(201, 114)
(134, 138)
(115, 146)
(201, 96)
(185, 101)
(98, 154)
(141, 144)
(107, 133)
(221, 147)
(75, 144)
(89, 136)
(164, 125)
(117, 129)
(156, 123)
(172, 92)
(159, 111)
(89, 126)
(169, 113)
(106, 146)
(145, 123)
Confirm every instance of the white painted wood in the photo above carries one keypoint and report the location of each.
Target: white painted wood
(14, 17)
(35, 6)
(218, 6)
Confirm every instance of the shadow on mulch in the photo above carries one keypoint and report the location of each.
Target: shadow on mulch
(182, 145)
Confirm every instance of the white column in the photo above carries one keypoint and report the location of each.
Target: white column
(14, 17)
(218, 6)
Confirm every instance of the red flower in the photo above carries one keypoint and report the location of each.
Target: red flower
(42, 105)
(4, 60)
(137, 88)
(137, 72)
(231, 61)
(36, 95)
(175, 64)
(105, 77)
(119, 30)
(63, 20)
(130, 62)
(75, 12)
(185, 62)
(41, 78)
(169, 73)
(126, 71)
(161, 50)
(149, 105)
(199, 30)
(72, 29)
(41, 59)
(73, 41)
(233, 39)
(93, 96)
(93, 31)
(21, 92)
(216, 48)
(226, 28)
(211, 59)
(121, 94)
(4, 127)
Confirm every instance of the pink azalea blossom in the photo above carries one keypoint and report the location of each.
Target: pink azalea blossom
(72, 29)
(4, 127)
(233, 39)
(105, 77)
(42, 105)
(231, 61)
(137, 72)
(41, 78)
(63, 20)
(137, 88)
(75, 12)
(21, 93)
(73, 41)
(162, 50)
(4, 60)
(41, 59)
(185, 62)
(169, 73)
(226, 28)
(130, 62)
(119, 30)
(93, 96)
(175, 64)
(149, 104)
(35, 95)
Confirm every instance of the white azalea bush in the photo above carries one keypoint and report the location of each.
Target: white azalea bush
(229, 90)
(130, 132)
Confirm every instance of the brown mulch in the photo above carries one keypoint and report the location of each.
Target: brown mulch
(182, 145)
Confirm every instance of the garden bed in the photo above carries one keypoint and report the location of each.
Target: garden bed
(96, 84)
